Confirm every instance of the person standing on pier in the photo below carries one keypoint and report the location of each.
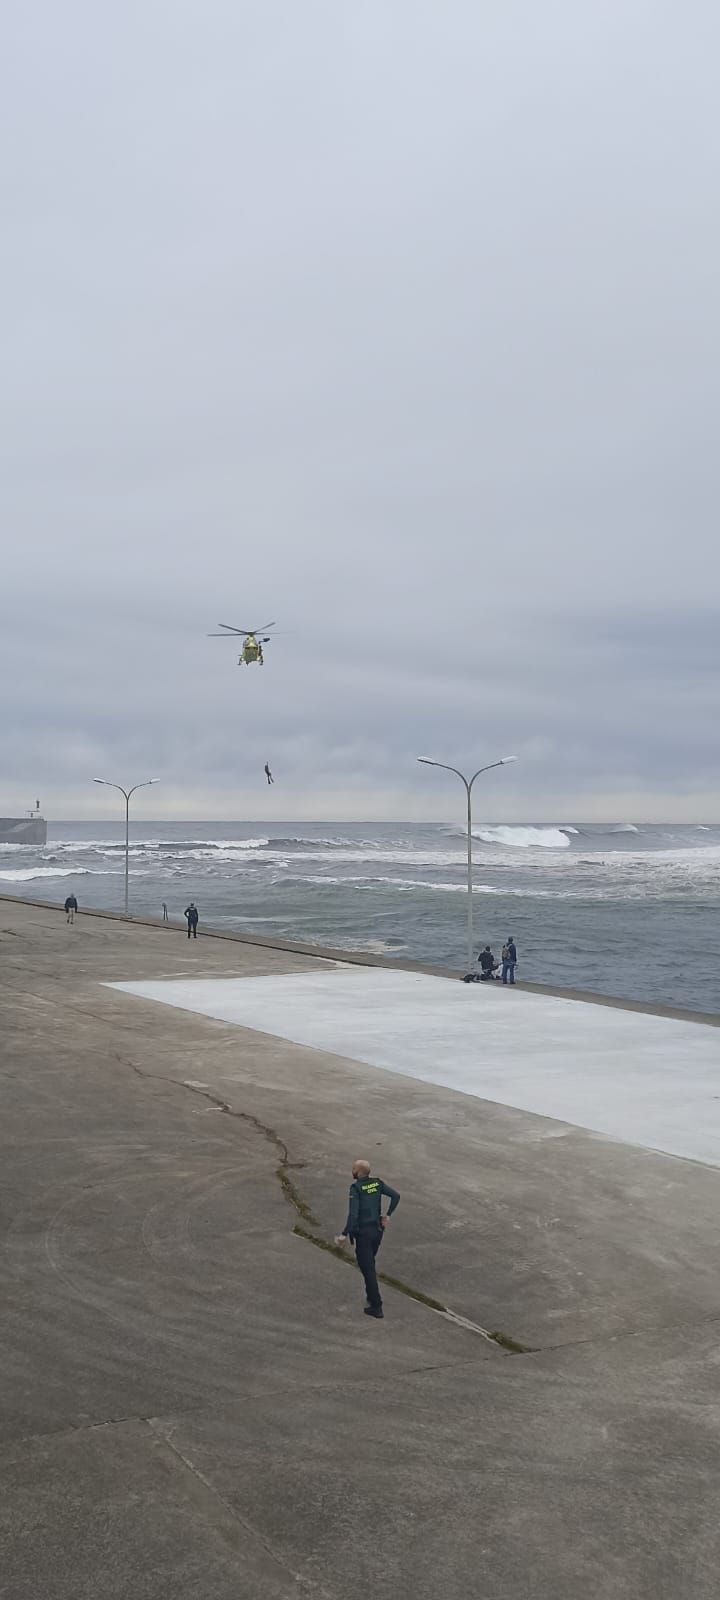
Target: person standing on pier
(365, 1227)
(192, 914)
(71, 906)
(509, 960)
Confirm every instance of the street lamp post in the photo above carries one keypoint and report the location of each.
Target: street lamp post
(127, 794)
(468, 782)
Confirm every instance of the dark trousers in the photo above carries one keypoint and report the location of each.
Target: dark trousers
(367, 1245)
(192, 929)
(508, 971)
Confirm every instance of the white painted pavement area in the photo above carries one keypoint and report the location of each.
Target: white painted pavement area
(642, 1079)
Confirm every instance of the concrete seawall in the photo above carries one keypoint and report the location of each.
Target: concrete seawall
(191, 1400)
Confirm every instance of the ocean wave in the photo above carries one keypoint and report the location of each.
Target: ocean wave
(163, 855)
(112, 846)
(69, 846)
(374, 881)
(517, 837)
(210, 845)
(206, 849)
(696, 855)
(297, 842)
(407, 857)
(293, 841)
(445, 888)
(244, 858)
(390, 858)
(25, 874)
(525, 838)
(621, 887)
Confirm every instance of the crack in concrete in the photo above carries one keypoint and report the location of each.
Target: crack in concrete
(308, 1586)
(69, 1428)
(285, 1165)
(292, 1194)
(503, 1340)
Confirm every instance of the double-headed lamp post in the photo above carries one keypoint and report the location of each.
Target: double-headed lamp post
(127, 794)
(468, 782)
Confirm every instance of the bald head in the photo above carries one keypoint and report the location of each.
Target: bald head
(361, 1169)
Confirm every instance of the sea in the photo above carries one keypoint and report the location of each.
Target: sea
(622, 909)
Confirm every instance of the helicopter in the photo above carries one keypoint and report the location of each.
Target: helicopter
(253, 641)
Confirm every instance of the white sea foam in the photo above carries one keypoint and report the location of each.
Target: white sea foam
(179, 846)
(371, 882)
(25, 874)
(525, 838)
(695, 855)
(623, 875)
(407, 857)
(518, 838)
(388, 858)
(445, 888)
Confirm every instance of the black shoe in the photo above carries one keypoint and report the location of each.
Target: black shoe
(374, 1311)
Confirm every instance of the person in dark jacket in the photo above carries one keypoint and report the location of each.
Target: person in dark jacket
(71, 906)
(192, 914)
(365, 1227)
(509, 960)
(488, 964)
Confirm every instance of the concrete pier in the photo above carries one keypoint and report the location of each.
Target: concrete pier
(191, 1401)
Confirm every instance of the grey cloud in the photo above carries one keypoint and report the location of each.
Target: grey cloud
(397, 324)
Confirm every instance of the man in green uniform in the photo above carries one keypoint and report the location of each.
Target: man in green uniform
(365, 1227)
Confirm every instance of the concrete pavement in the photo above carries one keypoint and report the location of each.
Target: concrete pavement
(191, 1402)
(606, 1069)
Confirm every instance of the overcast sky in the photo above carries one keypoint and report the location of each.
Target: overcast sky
(396, 322)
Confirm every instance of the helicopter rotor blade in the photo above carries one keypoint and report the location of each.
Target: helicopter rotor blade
(229, 632)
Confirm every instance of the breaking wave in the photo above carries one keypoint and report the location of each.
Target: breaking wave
(297, 843)
(515, 837)
(394, 883)
(26, 874)
(526, 838)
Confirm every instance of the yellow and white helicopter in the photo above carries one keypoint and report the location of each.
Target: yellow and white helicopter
(253, 641)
